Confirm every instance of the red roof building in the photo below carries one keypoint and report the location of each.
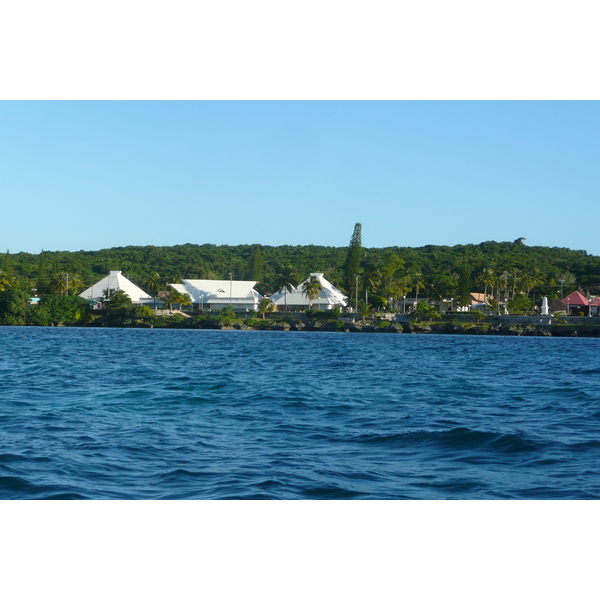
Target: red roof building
(576, 301)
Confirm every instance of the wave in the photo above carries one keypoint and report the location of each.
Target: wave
(586, 371)
(14, 487)
(331, 492)
(460, 438)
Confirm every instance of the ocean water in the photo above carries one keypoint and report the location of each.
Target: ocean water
(182, 414)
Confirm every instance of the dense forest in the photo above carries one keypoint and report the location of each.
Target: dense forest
(511, 269)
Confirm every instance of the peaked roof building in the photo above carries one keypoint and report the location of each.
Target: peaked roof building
(219, 293)
(296, 299)
(557, 305)
(115, 281)
(576, 299)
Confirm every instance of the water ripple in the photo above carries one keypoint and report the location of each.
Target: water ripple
(99, 414)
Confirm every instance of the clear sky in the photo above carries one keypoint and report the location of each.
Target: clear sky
(91, 175)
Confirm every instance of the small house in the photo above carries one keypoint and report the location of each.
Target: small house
(576, 303)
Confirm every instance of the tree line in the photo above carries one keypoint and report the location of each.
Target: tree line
(374, 276)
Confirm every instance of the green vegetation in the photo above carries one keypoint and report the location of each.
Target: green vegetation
(352, 263)
(311, 289)
(13, 307)
(266, 305)
(508, 271)
(56, 308)
(426, 312)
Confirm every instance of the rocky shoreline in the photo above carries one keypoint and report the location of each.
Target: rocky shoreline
(407, 327)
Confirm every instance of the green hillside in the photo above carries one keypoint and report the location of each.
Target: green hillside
(432, 271)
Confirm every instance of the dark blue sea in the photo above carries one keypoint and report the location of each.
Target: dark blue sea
(182, 414)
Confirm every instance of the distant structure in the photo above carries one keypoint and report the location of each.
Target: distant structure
(216, 294)
(478, 301)
(576, 302)
(296, 299)
(556, 306)
(113, 282)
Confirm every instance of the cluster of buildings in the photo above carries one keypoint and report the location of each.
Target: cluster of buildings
(576, 303)
(216, 294)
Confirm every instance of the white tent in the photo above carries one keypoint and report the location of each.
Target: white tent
(296, 299)
(112, 282)
(219, 293)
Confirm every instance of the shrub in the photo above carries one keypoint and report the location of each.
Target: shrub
(318, 315)
(258, 323)
(144, 312)
(226, 313)
(13, 307)
(426, 312)
(519, 304)
(38, 315)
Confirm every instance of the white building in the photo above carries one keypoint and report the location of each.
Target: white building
(296, 299)
(215, 294)
(113, 282)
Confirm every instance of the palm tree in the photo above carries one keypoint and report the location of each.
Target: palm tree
(399, 287)
(371, 279)
(175, 297)
(417, 283)
(58, 283)
(489, 280)
(266, 305)
(515, 272)
(311, 288)
(75, 283)
(443, 286)
(504, 279)
(286, 280)
(184, 300)
(153, 285)
(532, 280)
(365, 311)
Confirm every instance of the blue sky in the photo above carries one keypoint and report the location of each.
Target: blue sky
(98, 174)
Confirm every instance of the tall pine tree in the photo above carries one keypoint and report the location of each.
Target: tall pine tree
(352, 264)
(255, 265)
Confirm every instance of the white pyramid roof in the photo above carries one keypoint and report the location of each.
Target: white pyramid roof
(211, 290)
(115, 280)
(329, 297)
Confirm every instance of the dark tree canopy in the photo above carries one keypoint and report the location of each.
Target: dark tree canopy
(531, 269)
(353, 257)
(255, 265)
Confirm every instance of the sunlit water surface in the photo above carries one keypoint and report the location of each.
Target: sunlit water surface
(126, 413)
